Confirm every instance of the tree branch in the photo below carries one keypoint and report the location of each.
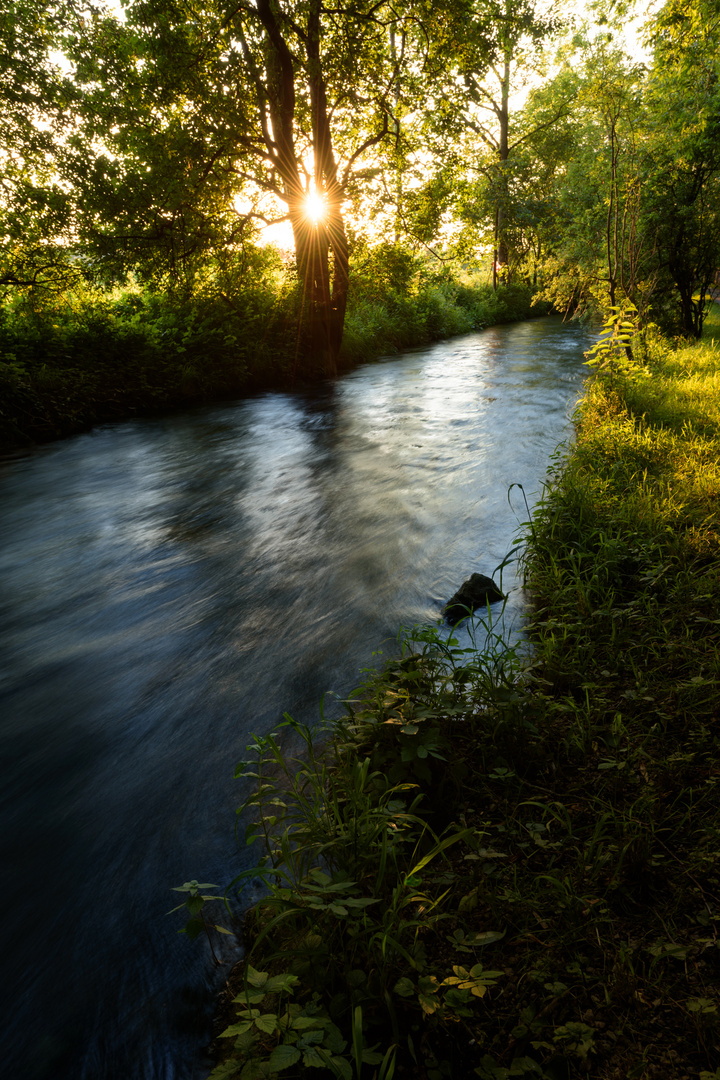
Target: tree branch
(372, 141)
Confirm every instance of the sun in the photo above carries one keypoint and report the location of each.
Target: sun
(315, 207)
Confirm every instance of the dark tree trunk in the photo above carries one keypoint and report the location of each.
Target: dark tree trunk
(329, 285)
(322, 263)
(321, 247)
(501, 244)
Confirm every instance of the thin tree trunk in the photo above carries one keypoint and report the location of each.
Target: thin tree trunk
(396, 135)
(501, 247)
(495, 250)
(330, 293)
(321, 248)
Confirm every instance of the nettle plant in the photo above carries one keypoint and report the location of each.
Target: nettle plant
(351, 891)
(623, 341)
(405, 716)
(355, 832)
(273, 1034)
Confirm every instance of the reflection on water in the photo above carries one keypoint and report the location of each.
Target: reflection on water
(168, 587)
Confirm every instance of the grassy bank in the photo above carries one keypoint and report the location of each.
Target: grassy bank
(505, 869)
(89, 355)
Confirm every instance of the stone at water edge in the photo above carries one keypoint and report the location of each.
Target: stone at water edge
(476, 592)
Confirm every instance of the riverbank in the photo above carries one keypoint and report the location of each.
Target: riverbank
(89, 357)
(519, 861)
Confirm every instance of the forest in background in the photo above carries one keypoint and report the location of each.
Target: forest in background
(434, 164)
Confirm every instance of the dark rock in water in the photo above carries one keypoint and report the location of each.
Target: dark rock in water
(476, 592)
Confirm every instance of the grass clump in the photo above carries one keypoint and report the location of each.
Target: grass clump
(500, 866)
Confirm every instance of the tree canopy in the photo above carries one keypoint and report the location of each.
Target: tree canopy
(158, 140)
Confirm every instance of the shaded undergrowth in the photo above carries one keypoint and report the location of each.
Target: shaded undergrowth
(498, 867)
(91, 354)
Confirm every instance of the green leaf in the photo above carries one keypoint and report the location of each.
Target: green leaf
(428, 1003)
(281, 983)
(194, 904)
(256, 978)
(255, 1070)
(249, 997)
(193, 929)
(371, 1057)
(283, 1057)
(311, 1038)
(302, 1023)
(342, 1067)
(224, 1070)
(315, 1057)
(320, 877)
(469, 902)
(193, 886)
(267, 1023)
(236, 1029)
(477, 972)
(484, 937)
(334, 1040)
(669, 948)
(702, 1005)
(404, 987)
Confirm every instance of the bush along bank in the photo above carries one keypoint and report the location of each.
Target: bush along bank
(88, 355)
(501, 867)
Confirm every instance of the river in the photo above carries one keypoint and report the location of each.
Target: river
(167, 587)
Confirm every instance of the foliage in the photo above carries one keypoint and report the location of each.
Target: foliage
(614, 347)
(36, 210)
(215, 123)
(512, 34)
(426, 308)
(95, 354)
(637, 202)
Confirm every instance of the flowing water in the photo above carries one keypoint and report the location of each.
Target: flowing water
(169, 586)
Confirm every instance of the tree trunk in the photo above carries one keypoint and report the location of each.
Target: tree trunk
(501, 247)
(322, 264)
(329, 287)
(495, 252)
(321, 248)
(395, 129)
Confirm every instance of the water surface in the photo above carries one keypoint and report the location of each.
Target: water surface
(168, 587)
